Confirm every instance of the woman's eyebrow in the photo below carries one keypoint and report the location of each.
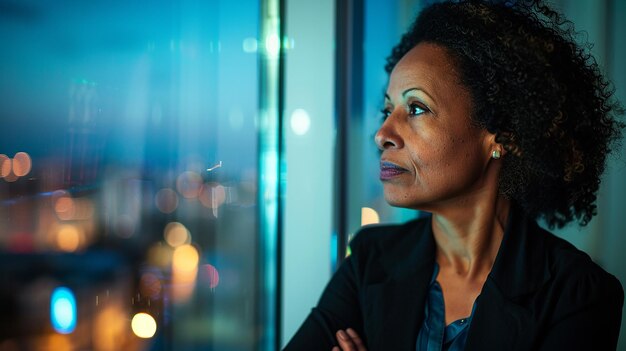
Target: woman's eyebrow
(409, 90)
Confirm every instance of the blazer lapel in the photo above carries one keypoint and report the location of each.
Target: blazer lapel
(394, 309)
(500, 321)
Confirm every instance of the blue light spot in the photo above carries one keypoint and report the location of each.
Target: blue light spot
(63, 310)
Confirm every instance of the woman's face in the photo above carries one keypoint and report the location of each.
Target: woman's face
(432, 155)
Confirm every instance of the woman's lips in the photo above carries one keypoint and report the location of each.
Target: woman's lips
(390, 170)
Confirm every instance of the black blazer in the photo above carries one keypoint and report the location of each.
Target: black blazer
(541, 294)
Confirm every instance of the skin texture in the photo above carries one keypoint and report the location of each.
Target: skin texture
(428, 132)
(446, 169)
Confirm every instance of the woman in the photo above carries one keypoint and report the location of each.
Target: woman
(493, 119)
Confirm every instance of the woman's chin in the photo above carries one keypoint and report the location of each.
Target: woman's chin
(398, 200)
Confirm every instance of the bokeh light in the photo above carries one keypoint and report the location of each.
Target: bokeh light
(189, 184)
(272, 45)
(185, 259)
(21, 164)
(143, 325)
(184, 272)
(63, 310)
(110, 328)
(211, 275)
(176, 234)
(213, 195)
(369, 216)
(300, 121)
(65, 207)
(68, 238)
(166, 200)
(5, 165)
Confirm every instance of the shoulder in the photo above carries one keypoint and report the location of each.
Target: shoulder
(388, 236)
(382, 252)
(577, 280)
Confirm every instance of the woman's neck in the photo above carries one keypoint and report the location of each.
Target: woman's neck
(468, 237)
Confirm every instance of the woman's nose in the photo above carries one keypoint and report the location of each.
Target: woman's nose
(387, 137)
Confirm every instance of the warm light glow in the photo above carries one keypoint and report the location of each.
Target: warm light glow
(160, 255)
(144, 325)
(68, 238)
(150, 285)
(166, 200)
(54, 342)
(5, 165)
(185, 259)
(63, 310)
(110, 328)
(21, 164)
(65, 208)
(184, 272)
(176, 234)
(369, 216)
(300, 121)
(189, 184)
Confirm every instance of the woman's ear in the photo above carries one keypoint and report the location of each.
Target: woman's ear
(494, 149)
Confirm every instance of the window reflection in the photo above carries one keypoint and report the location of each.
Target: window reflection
(128, 175)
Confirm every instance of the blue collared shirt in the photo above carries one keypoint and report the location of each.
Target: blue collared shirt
(435, 335)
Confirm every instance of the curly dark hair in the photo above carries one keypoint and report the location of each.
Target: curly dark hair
(540, 93)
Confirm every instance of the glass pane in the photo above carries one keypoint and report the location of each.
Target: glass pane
(128, 175)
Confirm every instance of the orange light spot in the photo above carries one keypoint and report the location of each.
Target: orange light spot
(5, 165)
(185, 259)
(68, 238)
(65, 208)
(184, 272)
(176, 234)
(21, 164)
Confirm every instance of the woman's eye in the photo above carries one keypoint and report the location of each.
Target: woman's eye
(385, 113)
(416, 110)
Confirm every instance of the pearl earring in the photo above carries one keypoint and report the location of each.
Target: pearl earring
(495, 154)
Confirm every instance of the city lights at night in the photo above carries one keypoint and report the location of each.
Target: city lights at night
(63, 314)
